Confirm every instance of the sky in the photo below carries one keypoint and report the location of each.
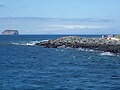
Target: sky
(61, 16)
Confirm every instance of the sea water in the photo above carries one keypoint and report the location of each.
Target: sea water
(24, 66)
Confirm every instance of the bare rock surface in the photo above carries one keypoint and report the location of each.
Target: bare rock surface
(102, 44)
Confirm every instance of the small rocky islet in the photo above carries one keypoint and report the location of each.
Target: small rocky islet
(10, 32)
(102, 44)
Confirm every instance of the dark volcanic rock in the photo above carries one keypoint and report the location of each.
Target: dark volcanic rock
(78, 42)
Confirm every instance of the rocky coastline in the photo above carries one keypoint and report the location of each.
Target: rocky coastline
(102, 44)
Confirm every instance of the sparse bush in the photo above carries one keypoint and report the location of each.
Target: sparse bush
(117, 36)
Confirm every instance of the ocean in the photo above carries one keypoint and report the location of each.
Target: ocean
(24, 66)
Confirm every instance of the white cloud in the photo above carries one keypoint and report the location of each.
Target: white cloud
(76, 26)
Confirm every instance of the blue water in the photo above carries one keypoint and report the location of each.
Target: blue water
(26, 67)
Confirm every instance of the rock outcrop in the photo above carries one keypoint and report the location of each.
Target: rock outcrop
(10, 32)
(78, 42)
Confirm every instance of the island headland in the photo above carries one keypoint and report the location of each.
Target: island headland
(107, 44)
(10, 32)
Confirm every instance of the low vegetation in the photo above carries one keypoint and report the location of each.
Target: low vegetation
(117, 36)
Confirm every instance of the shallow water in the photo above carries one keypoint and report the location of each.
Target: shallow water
(24, 67)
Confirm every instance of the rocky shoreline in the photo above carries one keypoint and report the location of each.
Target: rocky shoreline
(102, 44)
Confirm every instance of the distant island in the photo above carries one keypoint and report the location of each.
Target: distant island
(10, 32)
(108, 43)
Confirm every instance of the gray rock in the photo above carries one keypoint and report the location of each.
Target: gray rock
(78, 42)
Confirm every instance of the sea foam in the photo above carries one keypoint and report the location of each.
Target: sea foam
(107, 54)
(27, 43)
(84, 49)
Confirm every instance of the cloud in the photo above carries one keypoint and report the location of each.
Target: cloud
(76, 26)
(2, 5)
(95, 20)
(81, 19)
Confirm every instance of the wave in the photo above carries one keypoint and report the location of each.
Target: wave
(107, 54)
(32, 43)
(100, 53)
(84, 49)
(27, 43)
